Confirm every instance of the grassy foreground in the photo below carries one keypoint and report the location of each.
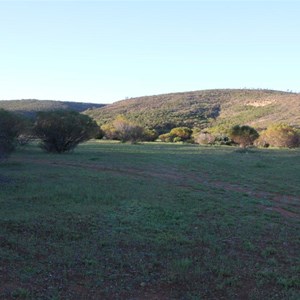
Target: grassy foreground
(152, 221)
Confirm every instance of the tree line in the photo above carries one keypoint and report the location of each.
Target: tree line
(61, 131)
(275, 135)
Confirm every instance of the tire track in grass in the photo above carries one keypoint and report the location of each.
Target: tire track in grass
(179, 176)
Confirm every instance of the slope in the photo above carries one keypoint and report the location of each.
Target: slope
(206, 108)
(31, 106)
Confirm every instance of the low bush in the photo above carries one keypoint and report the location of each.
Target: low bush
(166, 138)
(178, 134)
(204, 138)
(177, 139)
(184, 133)
(280, 135)
(150, 135)
(127, 131)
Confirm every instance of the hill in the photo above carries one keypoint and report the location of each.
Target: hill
(206, 108)
(31, 106)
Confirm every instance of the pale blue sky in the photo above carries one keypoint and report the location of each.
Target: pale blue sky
(104, 51)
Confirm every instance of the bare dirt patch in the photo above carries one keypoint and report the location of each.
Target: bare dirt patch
(282, 211)
(260, 103)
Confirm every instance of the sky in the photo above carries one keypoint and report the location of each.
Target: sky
(105, 51)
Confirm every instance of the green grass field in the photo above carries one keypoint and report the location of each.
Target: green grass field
(151, 221)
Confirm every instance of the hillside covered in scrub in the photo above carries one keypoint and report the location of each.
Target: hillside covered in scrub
(220, 107)
(31, 106)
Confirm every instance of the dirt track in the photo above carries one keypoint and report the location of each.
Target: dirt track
(277, 199)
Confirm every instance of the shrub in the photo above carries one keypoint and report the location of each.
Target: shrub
(166, 138)
(204, 138)
(243, 135)
(26, 134)
(177, 139)
(261, 141)
(127, 131)
(62, 131)
(150, 135)
(100, 134)
(280, 135)
(184, 133)
(223, 139)
(178, 134)
(10, 128)
(109, 131)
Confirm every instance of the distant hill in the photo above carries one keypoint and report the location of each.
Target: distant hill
(206, 108)
(31, 106)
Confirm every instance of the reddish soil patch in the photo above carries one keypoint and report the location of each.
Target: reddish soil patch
(283, 212)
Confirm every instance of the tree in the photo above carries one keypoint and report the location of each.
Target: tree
(10, 128)
(61, 131)
(280, 135)
(243, 135)
(124, 130)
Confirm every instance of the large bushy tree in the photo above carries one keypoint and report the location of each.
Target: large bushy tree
(243, 135)
(61, 131)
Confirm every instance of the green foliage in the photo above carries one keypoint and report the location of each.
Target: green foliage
(243, 135)
(184, 133)
(10, 128)
(61, 131)
(178, 134)
(26, 134)
(280, 135)
(211, 136)
(109, 131)
(220, 129)
(202, 109)
(166, 138)
(223, 139)
(159, 221)
(150, 135)
(100, 134)
(125, 131)
(177, 139)
(21, 293)
(245, 114)
(204, 138)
